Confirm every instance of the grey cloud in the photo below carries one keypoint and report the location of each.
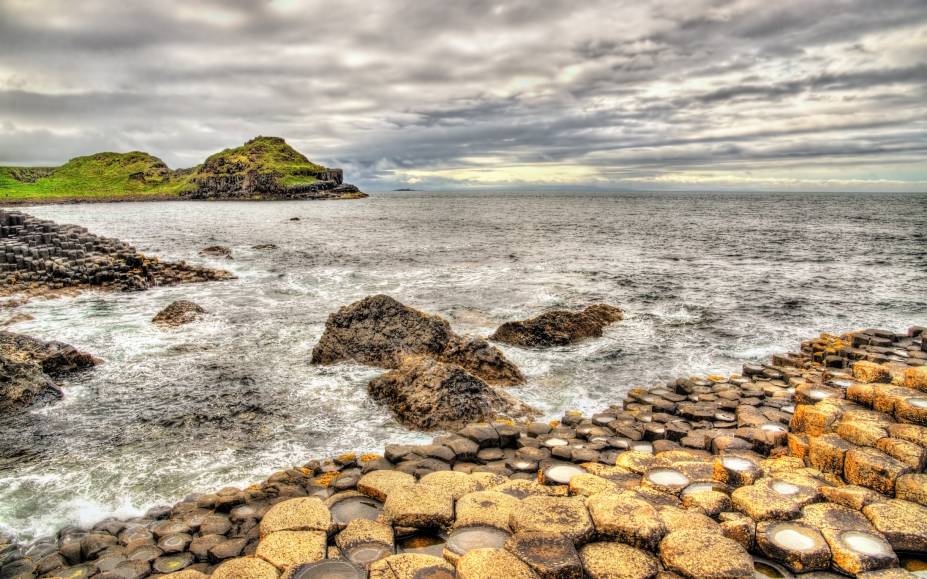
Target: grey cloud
(623, 88)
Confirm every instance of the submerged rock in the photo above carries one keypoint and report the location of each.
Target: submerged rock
(179, 313)
(428, 394)
(380, 331)
(558, 327)
(216, 251)
(28, 365)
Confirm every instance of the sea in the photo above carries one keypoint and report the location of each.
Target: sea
(707, 281)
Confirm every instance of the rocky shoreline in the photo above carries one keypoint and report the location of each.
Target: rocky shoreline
(40, 256)
(811, 464)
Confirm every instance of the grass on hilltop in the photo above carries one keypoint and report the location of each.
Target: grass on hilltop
(140, 175)
(103, 175)
(264, 155)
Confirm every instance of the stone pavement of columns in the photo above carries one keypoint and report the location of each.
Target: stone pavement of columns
(810, 464)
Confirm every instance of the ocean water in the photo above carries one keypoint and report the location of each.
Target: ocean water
(707, 281)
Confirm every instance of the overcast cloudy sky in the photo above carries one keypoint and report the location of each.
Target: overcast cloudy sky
(624, 94)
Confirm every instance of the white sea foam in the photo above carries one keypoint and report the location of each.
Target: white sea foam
(231, 399)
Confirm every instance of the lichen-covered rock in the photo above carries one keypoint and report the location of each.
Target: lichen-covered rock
(567, 516)
(869, 372)
(608, 560)
(426, 394)
(872, 468)
(178, 313)
(380, 483)
(485, 508)
(558, 327)
(627, 518)
(380, 331)
(484, 563)
(550, 555)
(697, 554)
(916, 377)
(299, 514)
(411, 566)
(284, 549)
(28, 367)
(902, 523)
(419, 506)
(245, 568)
(456, 484)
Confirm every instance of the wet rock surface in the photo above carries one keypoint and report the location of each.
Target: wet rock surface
(438, 379)
(380, 331)
(726, 484)
(42, 256)
(427, 394)
(179, 313)
(558, 327)
(29, 366)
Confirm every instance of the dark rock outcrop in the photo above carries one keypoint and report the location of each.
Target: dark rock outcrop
(428, 394)
(28, 366)
(380, 331)
(216, 251)
(558, 327)
(179, 313)
(37, 255)
(267, 168)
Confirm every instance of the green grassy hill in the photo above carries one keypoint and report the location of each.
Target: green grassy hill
(114, 176)
(263, 155)
(103, 175)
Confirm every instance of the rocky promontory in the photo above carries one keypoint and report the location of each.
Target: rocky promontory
(267, 168)
(558, 327)
(29, 366)
(37, 255)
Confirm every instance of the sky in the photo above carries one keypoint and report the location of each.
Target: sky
(758, 95)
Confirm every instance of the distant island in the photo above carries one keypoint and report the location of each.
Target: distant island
(264, 168)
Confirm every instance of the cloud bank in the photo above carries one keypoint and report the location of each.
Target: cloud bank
(702, 94)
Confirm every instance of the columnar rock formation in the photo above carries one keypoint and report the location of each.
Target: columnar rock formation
(37, 254)
(699, 477)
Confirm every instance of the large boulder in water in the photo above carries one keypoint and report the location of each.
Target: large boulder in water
(428, 394)
(558, 327)
(28, 365)
(380, 331)
(179, 313)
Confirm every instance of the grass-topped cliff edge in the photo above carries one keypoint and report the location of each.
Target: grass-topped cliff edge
(262, 168)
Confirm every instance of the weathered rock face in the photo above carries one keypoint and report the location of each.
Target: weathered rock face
(27, 366)
(427, 394)
(380, 331)
(179, 313)
(558, 327)
(41, 255)
(267, 168)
